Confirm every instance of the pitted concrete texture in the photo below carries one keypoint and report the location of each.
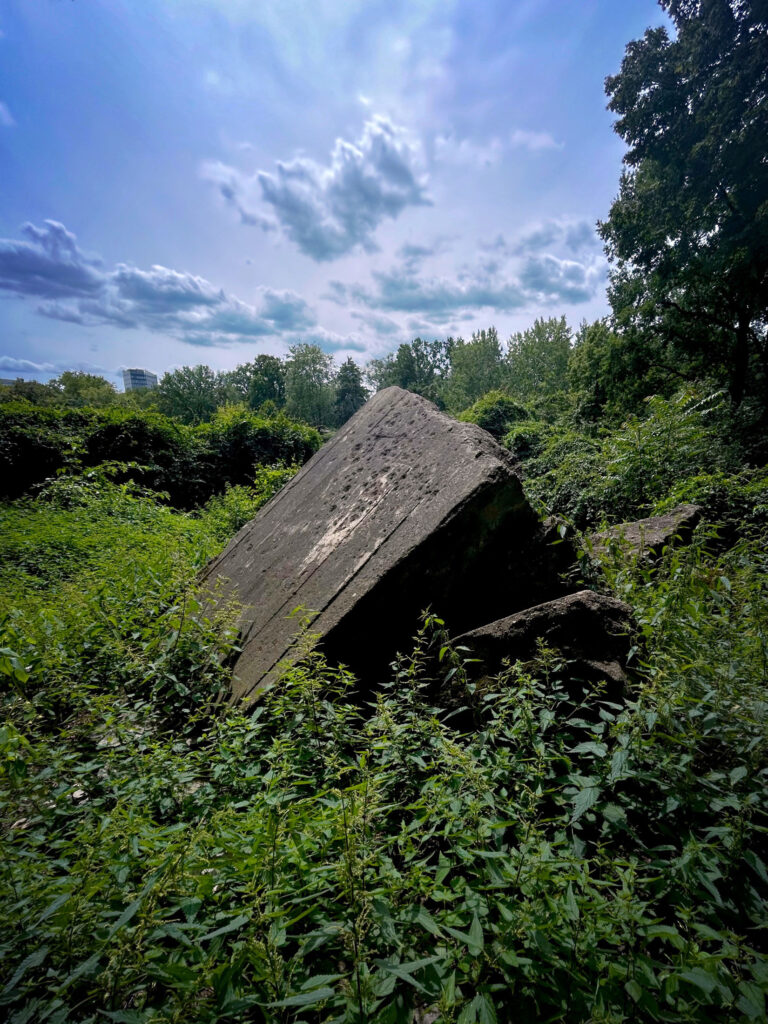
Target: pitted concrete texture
(404, 508)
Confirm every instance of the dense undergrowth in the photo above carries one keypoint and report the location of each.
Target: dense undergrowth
(522, 851)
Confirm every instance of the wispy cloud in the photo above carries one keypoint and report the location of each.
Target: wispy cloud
(553, 263)
(10, 363)
(533, 141)
(329, 210)
(6, 117)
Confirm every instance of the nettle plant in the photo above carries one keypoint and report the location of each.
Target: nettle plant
(534, 852)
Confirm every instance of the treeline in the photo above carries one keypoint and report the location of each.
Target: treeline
(306, 386)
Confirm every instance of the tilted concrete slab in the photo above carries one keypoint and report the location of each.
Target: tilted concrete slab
(404, 508)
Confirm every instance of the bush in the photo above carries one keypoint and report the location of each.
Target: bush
(626, 472)
(494, 412)
(189, 464)
(527, 439)
(224, 514)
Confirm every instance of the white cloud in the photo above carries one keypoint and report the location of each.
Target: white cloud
(533, 141)
(330, 210)
(6, 117)
(465, 152)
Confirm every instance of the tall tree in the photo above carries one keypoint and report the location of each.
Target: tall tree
(688, 233)
(309, 385)
(77, 389)
(537, 360)
(419, 366)
(191, 393)
(476, 368)
(350, 393)
(257, 382)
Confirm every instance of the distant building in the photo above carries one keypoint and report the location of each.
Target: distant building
(8, 382)
(139, 380)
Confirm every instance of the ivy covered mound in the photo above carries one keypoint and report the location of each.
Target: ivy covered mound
(522, 855)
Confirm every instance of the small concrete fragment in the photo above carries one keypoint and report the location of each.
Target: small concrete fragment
(404, 508)
(647, 537)
(588, 629)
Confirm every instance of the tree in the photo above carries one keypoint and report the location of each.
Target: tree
(260, 381)
(350, 393)
(537, 360)
(476, 368)
(419, 366)
(76, 390)
(688, 233)
(309, 385)
(609, 376)
(191, 394)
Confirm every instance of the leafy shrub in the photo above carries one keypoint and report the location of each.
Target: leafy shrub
(624, 474)
(527, 439)
(494, 412)
(305, 861)
(226, 513)
(188, 463)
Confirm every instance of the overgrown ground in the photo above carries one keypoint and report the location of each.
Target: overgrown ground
(520, 852)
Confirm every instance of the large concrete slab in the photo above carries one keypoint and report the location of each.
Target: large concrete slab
(402, 509)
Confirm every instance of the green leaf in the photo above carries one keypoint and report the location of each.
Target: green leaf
(633, 989)
(405, 970)
(130, 911)
(702, 979)
(583, 800)
(231, 926)
(317, 995)
(476, 940)
(33, 960)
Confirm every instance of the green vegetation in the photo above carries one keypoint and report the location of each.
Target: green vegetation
(189, 463)
(546, 854)
(516, 850)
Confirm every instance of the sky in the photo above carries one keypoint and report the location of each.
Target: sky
(200, 181)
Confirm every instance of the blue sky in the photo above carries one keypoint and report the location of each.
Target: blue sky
(187, 181)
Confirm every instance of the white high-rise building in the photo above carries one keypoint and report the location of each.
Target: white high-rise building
(138, 380)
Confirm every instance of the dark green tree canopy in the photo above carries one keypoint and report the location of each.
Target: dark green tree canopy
(688, 233)
(191, 393)
(350, 393)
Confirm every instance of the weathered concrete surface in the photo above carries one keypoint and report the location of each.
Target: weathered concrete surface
(588, 629)
(647, 537)
(402, 509)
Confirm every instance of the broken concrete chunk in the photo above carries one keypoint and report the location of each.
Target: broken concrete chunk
(647, 537)
(404, 508)
(589, 629)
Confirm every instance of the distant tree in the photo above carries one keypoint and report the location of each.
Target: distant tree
(191, 394)
(419, 366)
(28, 391)
(688, 233)
(476, 368)
(309, 385)
(257, 382)
(76, 390)
(537, 360)
(350, 393)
